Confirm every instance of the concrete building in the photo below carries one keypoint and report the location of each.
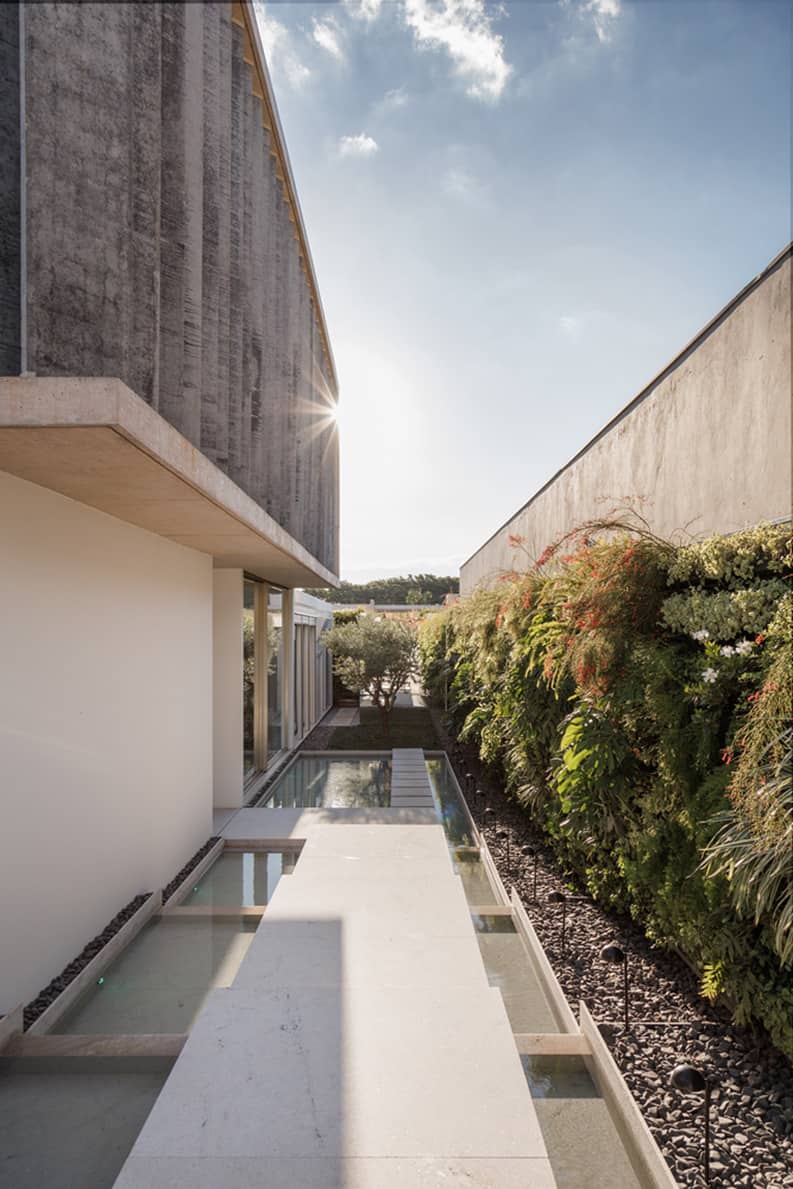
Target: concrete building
(704, 448)
(168, 456)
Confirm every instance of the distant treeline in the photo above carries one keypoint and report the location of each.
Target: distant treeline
(414, 589)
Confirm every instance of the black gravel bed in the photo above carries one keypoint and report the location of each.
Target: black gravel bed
(53, 989)
(182, 875)
(752, 1110)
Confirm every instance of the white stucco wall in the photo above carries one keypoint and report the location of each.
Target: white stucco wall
(105, 723)
(706, 448)
(227, 683)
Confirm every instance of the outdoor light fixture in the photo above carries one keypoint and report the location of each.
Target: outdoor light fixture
(617, 956)
(560, 898)
(504, 835)
(530, 853)
(689, 1080)
(490, 813)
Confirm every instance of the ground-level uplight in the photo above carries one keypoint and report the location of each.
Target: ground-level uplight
(529, 852)
(617, 956)
(560, 898)
(689, 1080)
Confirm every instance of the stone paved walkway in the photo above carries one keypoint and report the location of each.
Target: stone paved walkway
(360, 1046)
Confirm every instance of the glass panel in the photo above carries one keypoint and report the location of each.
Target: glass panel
(275, 673)
(248, 678)
(298, 729)
(447, 801)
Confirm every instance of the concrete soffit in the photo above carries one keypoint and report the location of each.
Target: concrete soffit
(242, 14)
(97, 442)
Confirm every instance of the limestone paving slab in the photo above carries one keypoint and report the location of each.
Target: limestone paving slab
(163, 1172)
(298, 953)
(398, 843)
(310, 1072)
(275, 825)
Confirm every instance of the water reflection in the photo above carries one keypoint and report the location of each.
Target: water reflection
(68, 1123)
(160, 982)
(324, 782)
(242, 878)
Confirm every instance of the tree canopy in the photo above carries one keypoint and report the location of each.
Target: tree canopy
(374, 656)
(424, 588)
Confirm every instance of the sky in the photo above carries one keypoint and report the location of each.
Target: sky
(518, 214)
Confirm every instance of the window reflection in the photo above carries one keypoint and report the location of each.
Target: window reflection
(275, 668)
(249, 678)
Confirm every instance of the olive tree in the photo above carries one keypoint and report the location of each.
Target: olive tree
(375, 656)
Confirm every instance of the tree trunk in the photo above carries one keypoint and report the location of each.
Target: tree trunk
(385, 716)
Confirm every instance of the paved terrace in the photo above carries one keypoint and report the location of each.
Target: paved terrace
(360, 1045)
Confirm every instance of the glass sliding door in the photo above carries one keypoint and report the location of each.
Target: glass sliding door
(249, 675)
(262, 676)
(275, 673)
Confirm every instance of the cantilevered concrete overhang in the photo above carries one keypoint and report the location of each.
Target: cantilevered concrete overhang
(95, 441)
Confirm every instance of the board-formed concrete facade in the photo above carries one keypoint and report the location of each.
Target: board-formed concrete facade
(155, 237)
(704, 448)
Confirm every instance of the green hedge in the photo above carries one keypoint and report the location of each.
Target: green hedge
(635, 698)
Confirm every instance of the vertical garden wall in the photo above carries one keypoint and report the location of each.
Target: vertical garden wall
(635, 697)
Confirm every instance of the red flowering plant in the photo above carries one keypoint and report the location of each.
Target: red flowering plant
(605, 593)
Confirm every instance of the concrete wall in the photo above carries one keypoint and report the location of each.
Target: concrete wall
(227, 757)
(10, 330)
(705, 447)
(160, 248)
(105, 723)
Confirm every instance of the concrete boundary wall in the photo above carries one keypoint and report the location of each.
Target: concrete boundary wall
(704, 448)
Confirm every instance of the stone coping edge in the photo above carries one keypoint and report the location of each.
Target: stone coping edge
(641, 1147)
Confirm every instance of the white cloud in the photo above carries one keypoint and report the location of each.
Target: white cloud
(398, 97)
(604, 13)
(463, 28)
(326, 35)
(357, 146)
(363, 10)
(571, 326)
(281, 57)
(464, 186)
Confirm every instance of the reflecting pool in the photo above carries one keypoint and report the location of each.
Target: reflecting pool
(71, 1123)
(325, 782)
(160, 981)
